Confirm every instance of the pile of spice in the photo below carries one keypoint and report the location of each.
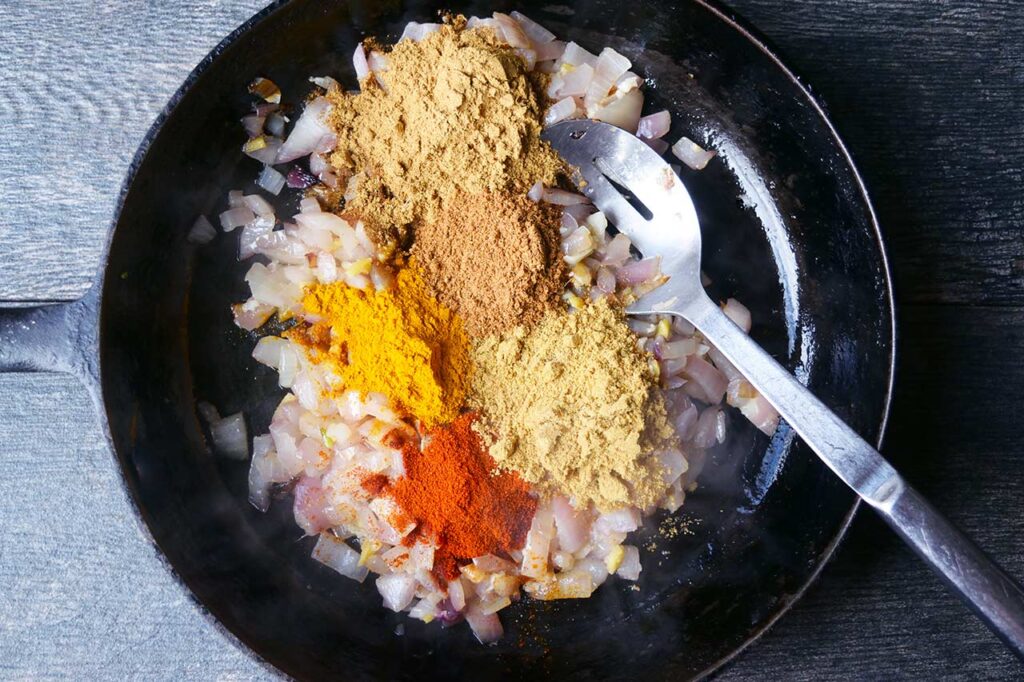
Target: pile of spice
(571, 406)
(494, 259)
(456, 112)
(452, 494)
(398, 341)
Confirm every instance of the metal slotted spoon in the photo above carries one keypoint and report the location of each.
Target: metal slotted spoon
(606, 156)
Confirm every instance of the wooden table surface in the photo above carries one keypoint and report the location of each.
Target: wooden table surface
(929, 95)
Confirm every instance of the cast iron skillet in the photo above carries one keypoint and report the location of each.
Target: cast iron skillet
(788, 229)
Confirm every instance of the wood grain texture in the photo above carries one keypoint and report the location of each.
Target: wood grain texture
(928, 95)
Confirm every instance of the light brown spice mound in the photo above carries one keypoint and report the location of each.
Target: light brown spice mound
(459, 112)
(494, 259)
(572, 406)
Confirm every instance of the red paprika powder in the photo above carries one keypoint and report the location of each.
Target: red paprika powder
(457, 499)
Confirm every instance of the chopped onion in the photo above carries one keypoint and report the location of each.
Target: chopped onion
(397, 589)
(709, 379)
(572, 527)
(335, 553)
(575, 55)
(254, 235)
(537, 34)
(417, 32)
(309, 133)
(536, 192)
(629, 568)
(673, 465)
(326, 82)
(559, 111)
(266, 89)
(258, 205)
(705, 434)
(309, 505)
(692, 154)
(549, 51)
(275, 125)
(560, 197)
(617, 251)
(457, 594)
(236, 217)
(486, 626)
(253, 125)
(360, 63)
(573, 83)
(605, 280)
(625, 520)
(511, 30)
(378, 63)
(264, 471)
(622, 112)
(265, 151)
(252, 314)
(538, 544)
(578, 245)
(609, 67)
(231, 437)
(654, 126)
(202, 231)
(638, 272)
(271, 180)
(528, 56)
(738, 313)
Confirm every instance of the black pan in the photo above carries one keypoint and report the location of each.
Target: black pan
(788, 229)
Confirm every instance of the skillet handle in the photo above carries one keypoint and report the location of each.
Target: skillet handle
(994, 596)
(56, 337)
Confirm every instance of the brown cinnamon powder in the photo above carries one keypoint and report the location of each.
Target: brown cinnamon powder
(494, 259)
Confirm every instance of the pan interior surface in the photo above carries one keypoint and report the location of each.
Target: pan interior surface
(786, 229)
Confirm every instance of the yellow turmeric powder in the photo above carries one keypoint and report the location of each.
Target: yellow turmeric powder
(399, 342)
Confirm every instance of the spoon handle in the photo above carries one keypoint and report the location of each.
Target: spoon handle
(992, 594)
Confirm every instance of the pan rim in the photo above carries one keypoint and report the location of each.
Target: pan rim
(720, 12)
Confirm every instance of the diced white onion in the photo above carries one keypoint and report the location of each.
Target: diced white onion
(622, 112)
(258, 204)
(336, 554)
(630, 567)
(536, 192)
(654, 126)
(692, 154)
(550, 50)
(537, 34)
(560, 197)
(309, 133)
(360, 63)
(486, 626)
(560, 111)
(271, 180)
(236, 217)
(738, 313)
(253, 125)
(511, 30)
(417, 32)
(230, 436)
(397, 589)
(202, 231)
